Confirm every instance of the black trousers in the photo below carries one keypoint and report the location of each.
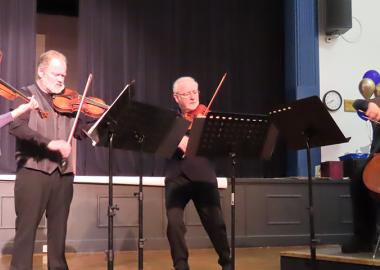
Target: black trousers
(178, 192)
(36, 192)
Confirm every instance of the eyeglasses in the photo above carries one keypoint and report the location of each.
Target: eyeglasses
(187, 94)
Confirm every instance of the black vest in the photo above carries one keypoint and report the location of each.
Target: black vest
(55, 127)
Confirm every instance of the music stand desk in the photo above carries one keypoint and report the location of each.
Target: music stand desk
(305, 124)
(135, 126)
(233, 136)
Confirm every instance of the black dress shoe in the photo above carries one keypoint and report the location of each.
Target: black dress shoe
(355, 246)
(227, 267)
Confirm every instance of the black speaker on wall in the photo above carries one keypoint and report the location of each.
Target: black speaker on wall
(338, 16)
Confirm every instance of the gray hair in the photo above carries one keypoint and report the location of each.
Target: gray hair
(181, 80)
(46, 57)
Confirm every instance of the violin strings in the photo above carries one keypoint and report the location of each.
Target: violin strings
(96, 103)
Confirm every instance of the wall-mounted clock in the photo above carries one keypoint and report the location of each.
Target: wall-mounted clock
(332, 100)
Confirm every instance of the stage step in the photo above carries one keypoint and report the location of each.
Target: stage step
(328, 258)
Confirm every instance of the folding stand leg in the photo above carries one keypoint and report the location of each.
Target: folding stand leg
(141, 226)
(312, 240)
(111, 208)
(140, 195)
(233, 162)
(376, 248)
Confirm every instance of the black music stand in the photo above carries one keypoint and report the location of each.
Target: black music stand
(131, 125)
(305, 124)
(233, 136)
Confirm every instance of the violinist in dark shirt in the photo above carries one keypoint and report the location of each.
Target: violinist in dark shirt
(6, 118)
(192, 178)
(42, 185)
(365, 203)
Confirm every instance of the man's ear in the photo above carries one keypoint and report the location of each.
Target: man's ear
(40, 72)
(175, 98)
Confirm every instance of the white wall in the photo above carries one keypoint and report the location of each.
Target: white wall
(342, 65)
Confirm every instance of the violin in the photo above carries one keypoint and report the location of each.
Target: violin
(69, 100)
(10, 93)
(200, 110)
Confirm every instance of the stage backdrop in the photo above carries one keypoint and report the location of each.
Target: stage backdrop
(17, 41)
(155, 42)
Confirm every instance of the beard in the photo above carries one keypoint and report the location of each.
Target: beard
(52, 86)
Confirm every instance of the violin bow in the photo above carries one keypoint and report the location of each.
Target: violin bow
(80, 108)
(215, 93)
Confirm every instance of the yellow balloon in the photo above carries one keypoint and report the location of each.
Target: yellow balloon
(366, 88)
(377, 90)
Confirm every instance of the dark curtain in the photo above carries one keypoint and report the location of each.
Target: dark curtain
(17, 41)
(155, 42)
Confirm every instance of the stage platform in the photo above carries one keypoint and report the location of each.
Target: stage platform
(329, 258)
(269, 212)
(199, 259)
